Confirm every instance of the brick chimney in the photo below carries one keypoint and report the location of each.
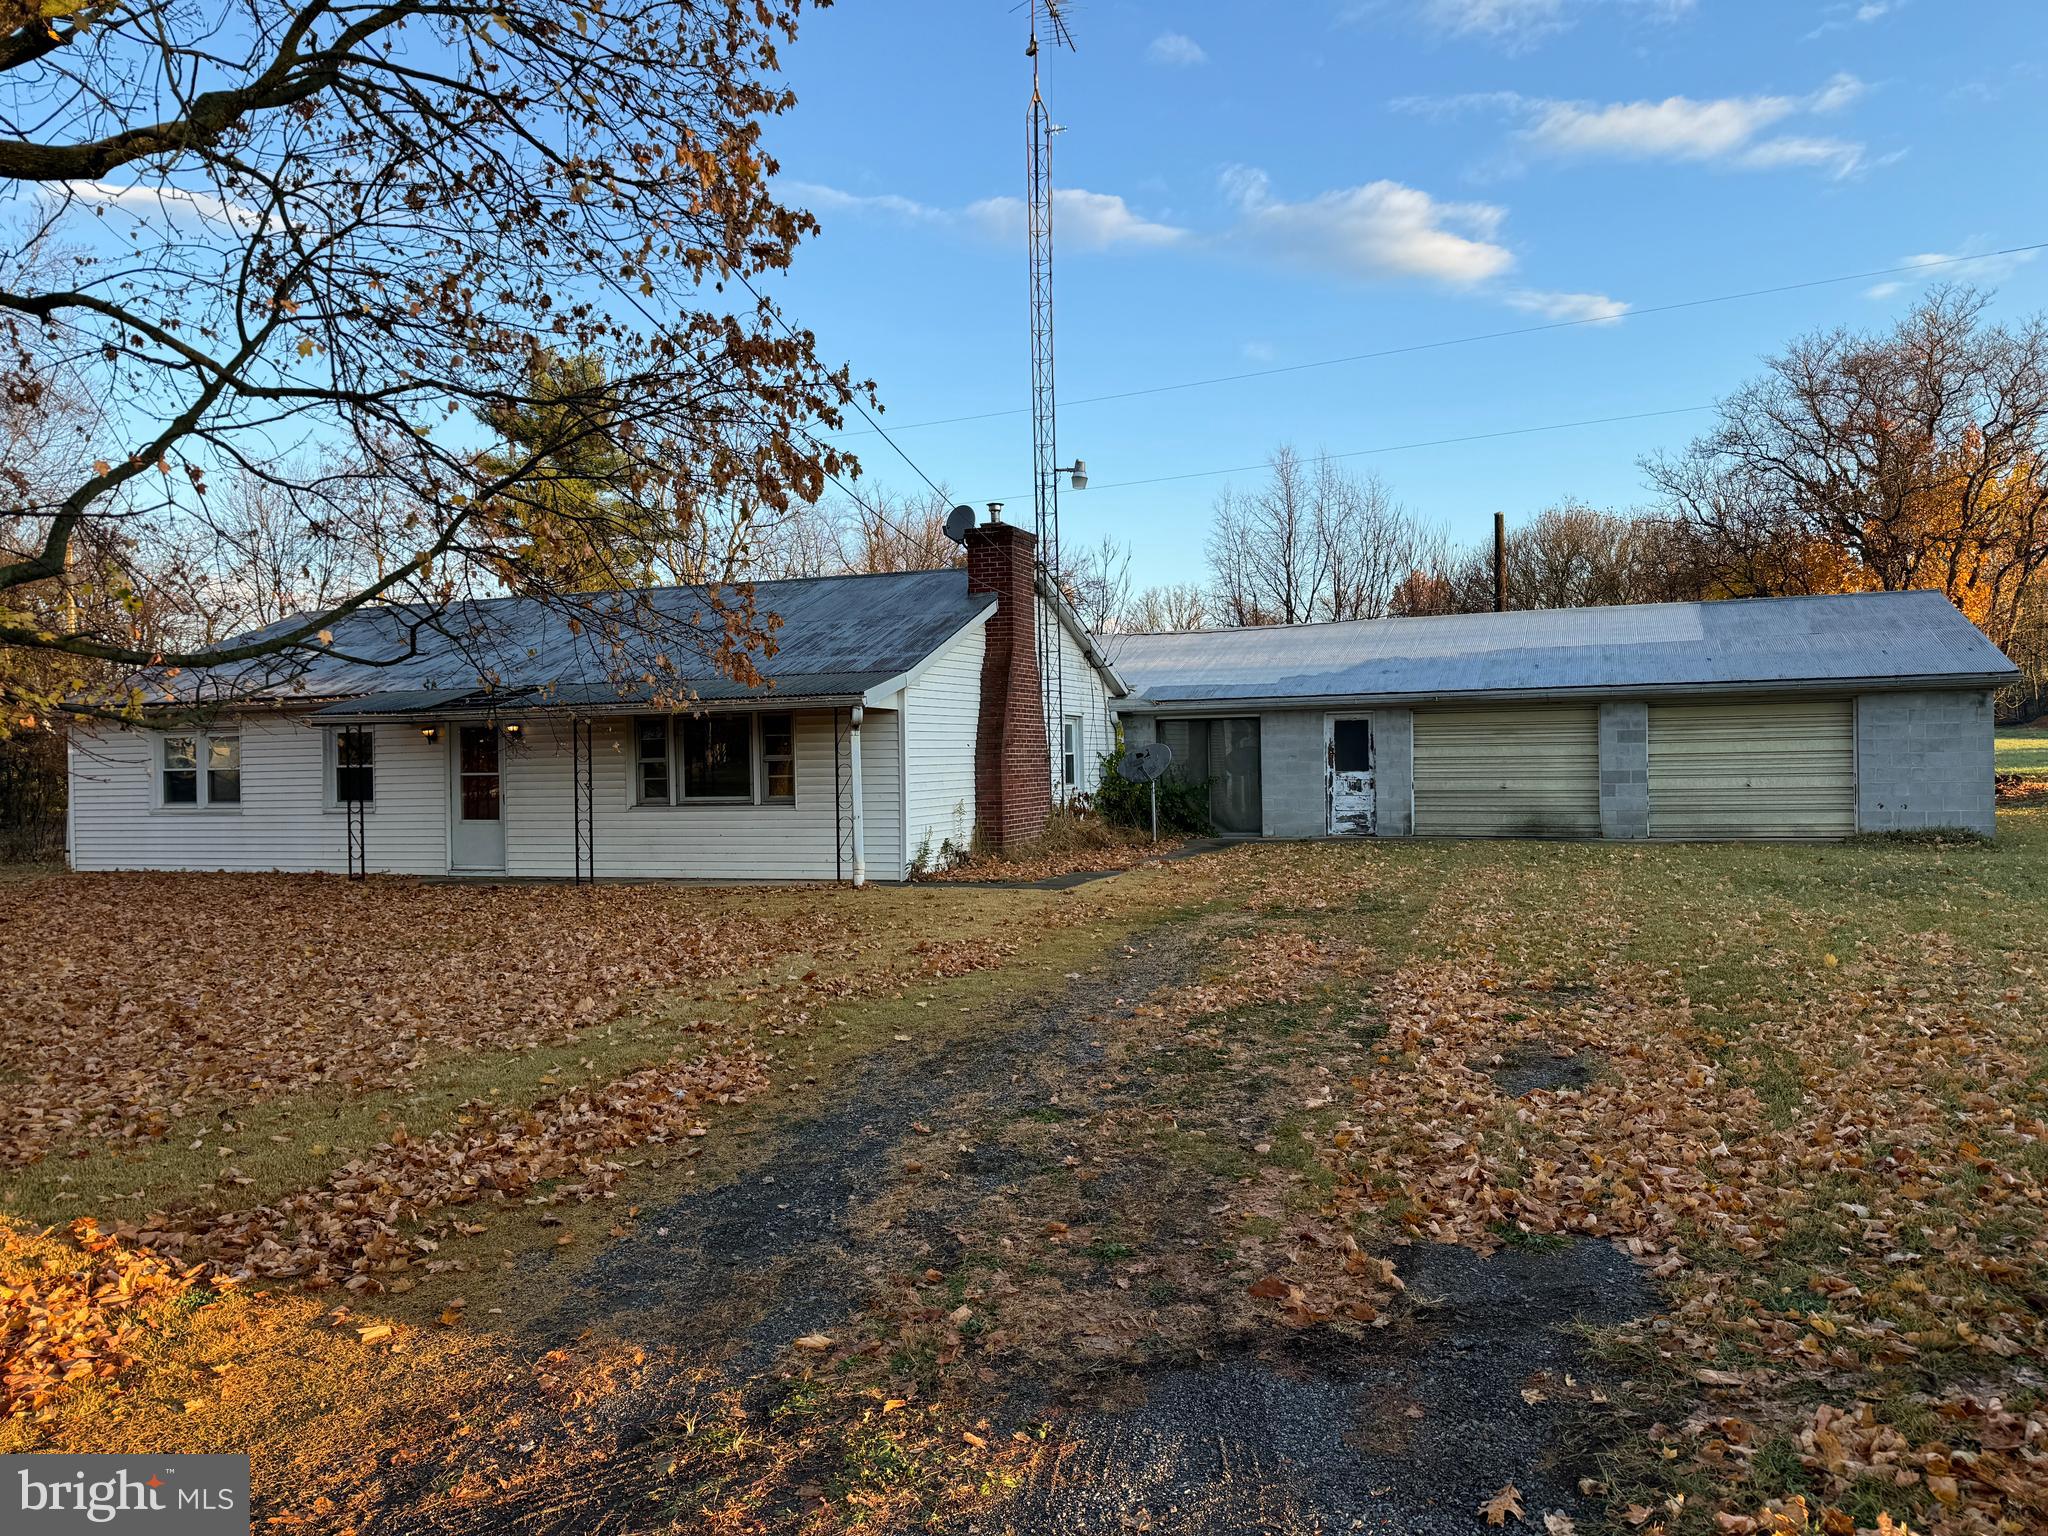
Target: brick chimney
(1012, 763)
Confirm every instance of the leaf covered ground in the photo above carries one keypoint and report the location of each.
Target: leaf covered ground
(976, 1181)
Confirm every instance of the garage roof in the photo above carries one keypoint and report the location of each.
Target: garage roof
(1860, 640)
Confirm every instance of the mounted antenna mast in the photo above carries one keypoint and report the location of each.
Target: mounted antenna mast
(1045, 462)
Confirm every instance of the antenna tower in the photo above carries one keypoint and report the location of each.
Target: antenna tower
(1045, 460)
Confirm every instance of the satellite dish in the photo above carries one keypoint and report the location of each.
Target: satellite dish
(958, 521)
(1143, 764)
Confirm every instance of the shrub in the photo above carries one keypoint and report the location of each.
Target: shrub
(1183, 806)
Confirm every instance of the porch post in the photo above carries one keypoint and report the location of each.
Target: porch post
(860, 857)
(357, 738)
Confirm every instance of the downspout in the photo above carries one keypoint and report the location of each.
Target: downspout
(860, 857)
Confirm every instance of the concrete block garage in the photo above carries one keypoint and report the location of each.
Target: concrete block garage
(1810, 717)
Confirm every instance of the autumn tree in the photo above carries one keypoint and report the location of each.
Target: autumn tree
(304, 246)
(1912, 458)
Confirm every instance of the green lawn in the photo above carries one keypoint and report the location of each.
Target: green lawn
(2024, 749)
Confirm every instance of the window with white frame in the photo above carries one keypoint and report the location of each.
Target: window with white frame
(352, 760)
(778, 758)
(651, 738)
(1070, 752)
(740, 759)
(201, 769)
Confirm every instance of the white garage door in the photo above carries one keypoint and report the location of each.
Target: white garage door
(1776, 769)
(1508, 772)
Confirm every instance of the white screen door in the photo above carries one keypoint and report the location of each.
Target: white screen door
(479, 834)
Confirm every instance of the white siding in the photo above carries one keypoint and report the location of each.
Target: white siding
(941, 721)
(283, 822)
(1087, 697)
(798, 841)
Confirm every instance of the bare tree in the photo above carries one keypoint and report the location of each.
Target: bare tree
(883, 532)
(1265, 560)
(1369, 544)
(1312, 544)
(1097, 582)
(313, 243)
(1167, 610)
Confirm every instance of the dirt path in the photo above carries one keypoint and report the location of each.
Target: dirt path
(1068, 1186)
(733, 1274)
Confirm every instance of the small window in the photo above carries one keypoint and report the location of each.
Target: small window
(718, 758)
(778, 757)
(355, 767)
(223, 770)
(1351, 746)
(181, 770)
(650, 734)
(1070, 755)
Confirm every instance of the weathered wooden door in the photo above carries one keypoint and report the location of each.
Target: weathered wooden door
(1349, 740)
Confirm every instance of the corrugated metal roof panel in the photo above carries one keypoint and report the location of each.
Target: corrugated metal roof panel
(838, 635)
(1857, 638)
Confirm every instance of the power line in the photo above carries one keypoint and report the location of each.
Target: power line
(1433, 442)
(854, 401)
(1464, 341)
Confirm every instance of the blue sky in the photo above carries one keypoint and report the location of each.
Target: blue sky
(1248, 187)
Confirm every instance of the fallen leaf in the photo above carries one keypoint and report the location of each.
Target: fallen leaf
(1505, 1502)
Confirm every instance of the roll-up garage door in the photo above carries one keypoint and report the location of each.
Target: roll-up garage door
(1508, 772)
(1756, 769)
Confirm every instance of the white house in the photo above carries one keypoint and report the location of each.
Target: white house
(901, 714)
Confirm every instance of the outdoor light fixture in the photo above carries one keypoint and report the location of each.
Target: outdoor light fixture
(1079, 470)
(431, 732)
(514, 728)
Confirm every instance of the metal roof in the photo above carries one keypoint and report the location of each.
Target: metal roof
(839, 637)
(1865, 639)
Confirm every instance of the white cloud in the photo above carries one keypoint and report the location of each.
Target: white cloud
(1838, 157)
(1597, 307)
(1092, 221)
(1519, 23)
(816, 196)
(144, 198)
(1258, 351)
(1963, 266)
(1081, 220)
(1729, 130)
(1380, 229)
(1176, 50)
(1855, 13)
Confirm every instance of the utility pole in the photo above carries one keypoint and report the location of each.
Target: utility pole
(1500, 562)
